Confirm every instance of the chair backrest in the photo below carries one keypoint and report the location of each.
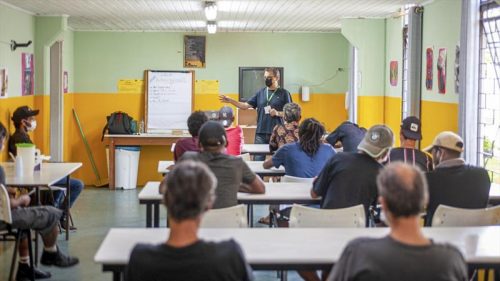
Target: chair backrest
(301, 216)
(5, 214)
(287, 178)
(451, 216)
(232, 217)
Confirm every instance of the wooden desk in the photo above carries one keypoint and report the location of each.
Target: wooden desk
(276, 193)
(140, 140)
(255, 166)
(299, 248)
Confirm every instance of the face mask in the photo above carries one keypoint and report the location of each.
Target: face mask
(269, 81)
(33, 126)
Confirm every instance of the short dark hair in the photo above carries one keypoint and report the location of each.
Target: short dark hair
(274, 71)
(310, 134)
(404, 189)
(189, 189)
(195, 121)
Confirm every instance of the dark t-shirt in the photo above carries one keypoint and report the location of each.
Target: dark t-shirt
(349, 134)
(348, 179)
(385, 259)
(18, 137)
(277, 99)
(411, 156)
(183, 145)
(462, 186)
(203, 261)
(230, 172)
(2, 176)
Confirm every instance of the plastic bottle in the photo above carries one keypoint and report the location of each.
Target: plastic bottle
(19, 166)
(141, 127)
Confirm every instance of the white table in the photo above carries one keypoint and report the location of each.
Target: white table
(255, 166)
(299, 248)
(49, 174)
(256, 149)
(276, 193)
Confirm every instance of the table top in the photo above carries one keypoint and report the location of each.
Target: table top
(149, 136)
(495, 192)
(255, 166)
(289, 192)
(256, 149)
(49, 174)
(289, 246)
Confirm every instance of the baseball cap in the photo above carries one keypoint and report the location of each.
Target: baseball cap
(448, 140)
(377, 140)
(411, 128)
(23, 112)
(226, 116)
(212, 133)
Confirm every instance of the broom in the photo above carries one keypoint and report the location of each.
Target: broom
(99, 181)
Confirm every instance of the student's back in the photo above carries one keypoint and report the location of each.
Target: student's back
(230, 171)
(298, 163)
(203, 261)
(386, 259)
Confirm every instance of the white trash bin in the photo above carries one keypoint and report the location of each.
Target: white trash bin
(126, 166)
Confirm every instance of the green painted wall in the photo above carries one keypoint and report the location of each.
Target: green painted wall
(368, 35)
(441, 29)
(18, 26)
(394, 52)
(103, 58)
(68, 58)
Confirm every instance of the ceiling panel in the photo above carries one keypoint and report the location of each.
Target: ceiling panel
(233, 15)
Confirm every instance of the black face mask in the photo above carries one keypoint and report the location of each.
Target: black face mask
(269, 81)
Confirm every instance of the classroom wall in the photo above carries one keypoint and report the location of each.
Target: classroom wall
(368, 35)
(103, 58)
(441, 29)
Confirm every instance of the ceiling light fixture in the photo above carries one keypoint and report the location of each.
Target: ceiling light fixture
(210, 10)
(211, 27)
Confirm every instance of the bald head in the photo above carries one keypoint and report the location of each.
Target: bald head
(404, 189)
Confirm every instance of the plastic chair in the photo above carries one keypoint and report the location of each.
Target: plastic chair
(301, 216)
(446, 216)
(287, 178)
(231, 217)
(6, 216)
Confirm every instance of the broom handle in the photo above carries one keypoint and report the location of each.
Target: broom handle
(87, 147)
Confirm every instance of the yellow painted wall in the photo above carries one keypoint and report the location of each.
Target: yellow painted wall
(370, 111)
(437, 117)
(392, 115)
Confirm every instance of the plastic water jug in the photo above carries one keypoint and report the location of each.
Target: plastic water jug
(27, 153)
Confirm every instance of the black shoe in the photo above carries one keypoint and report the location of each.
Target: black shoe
(58, 259)
(63, 225)
(24, 273)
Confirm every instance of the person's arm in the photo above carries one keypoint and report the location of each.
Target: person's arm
(268, 164)
(278, 158)
(321, 183)
(251, 183)
(273, 141)
(22, 201)
(238, 104)
(345, 267)
(334, 137)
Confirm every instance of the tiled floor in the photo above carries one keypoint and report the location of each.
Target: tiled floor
(95, 212)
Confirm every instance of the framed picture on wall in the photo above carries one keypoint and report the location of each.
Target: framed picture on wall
(194, 51)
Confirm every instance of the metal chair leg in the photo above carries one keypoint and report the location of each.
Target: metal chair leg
(14, 257)
(30, 251)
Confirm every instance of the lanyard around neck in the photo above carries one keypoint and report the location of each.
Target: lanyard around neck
(269, 98)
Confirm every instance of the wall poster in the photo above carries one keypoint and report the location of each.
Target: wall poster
(428, 68)
(4, 82)
(194, 51)
(393, 73)
(27, 74)
(441, 68)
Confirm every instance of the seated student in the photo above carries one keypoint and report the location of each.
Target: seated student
(289, 131)
(305, 158)
(410, 133)
(234, 134)
(349, 134)
(404, 254)
(189, 193)
(42, 219)
(24, 122)
(349, 179)
(232, 173)
(453, 182)
(194, 122)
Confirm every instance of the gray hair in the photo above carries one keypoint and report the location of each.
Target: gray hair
(404, 189)
(189, 190)
(292, 112)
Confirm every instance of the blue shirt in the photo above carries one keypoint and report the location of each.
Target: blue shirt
(349, 134)
(298, 164)
(266, 123)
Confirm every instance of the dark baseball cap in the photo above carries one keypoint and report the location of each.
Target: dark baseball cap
(23, 112)
(226, 116)
(411, 128)
(212, 133)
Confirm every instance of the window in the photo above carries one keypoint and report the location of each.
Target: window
(489, 88)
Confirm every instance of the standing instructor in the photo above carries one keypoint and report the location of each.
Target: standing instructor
(269, 102)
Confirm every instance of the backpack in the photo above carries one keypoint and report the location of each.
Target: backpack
(119, 123)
